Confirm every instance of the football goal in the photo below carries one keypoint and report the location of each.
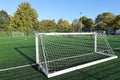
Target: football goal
(59, 53)
(14, 34)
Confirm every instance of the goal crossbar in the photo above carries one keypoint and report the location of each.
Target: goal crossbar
(66, 33)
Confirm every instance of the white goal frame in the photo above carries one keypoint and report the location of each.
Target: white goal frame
(14, 34)
(37, 35)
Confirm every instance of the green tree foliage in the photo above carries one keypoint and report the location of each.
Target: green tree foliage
(116, 22)
(4, 20)
(77, 25)
(25, 18)
(104, 20)
(47, 26)
(87, 22)
(11, 26)
(64, 26)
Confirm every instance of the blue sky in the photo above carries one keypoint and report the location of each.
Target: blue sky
(65, 9)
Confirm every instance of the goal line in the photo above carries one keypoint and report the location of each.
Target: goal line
(12, 68)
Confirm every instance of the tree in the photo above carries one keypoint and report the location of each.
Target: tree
(104, 20)
(116, 22)
(48, 25)
(64, 26)
(77, 25)
(25, 18)
(11, 26)
(4, 20)
(87, 22)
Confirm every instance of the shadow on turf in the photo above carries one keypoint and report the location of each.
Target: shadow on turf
(116, 50)
(24, 55)
(30, 60)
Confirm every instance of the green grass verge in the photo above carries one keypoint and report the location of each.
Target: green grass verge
(16, 51)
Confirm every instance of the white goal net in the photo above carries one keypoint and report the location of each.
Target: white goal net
(58, 53)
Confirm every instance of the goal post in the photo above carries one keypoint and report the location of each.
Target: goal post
(95, 42)
(59, 53)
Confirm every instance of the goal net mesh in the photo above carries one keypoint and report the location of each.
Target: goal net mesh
(59, 52)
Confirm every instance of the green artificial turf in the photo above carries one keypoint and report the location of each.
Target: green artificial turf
(17, 51)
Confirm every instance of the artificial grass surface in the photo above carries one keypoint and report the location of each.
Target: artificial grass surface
(21, 54)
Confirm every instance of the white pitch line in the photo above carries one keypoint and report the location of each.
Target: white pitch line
(6, 69)
(115, 48)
